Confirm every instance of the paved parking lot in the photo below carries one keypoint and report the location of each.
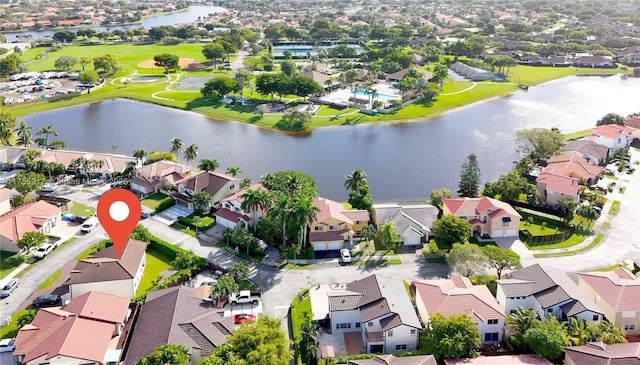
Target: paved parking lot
(13, 93)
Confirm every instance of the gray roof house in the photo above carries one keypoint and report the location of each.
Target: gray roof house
(375, 314)
(548, 291)
(12, 157)
(175, 316)
(591, 151)
(413, 222)
(598, 353)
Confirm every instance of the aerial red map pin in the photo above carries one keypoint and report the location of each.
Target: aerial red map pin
(119, 212)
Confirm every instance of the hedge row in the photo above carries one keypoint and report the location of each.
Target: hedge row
(189, 224)
(165, 204)
(165, 247)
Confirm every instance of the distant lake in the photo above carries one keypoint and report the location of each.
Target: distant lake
(155, 21)
(404, 162)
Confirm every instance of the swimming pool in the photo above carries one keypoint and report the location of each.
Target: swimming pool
(378, 97)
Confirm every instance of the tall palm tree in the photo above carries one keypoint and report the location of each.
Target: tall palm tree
(374, 94)
(355, 180)
(304, 213)
(24, 134)
(521, 320)
(177, 146)
(282, 208)
(208, 164)
(610, 333)
(139, 153)
(190, 153)
(234, 171)
(41, 142)
(578, 332)
(388, 235)
(47, 130)
(254, 200)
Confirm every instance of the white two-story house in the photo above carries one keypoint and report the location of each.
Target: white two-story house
(231, 215)
(549, 292)
(613, 136)
(460, 296)
(377, 312)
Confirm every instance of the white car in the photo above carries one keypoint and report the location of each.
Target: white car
(345, 255)
(6, 344)
(44, 250)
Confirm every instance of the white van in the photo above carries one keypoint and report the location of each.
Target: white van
(89, 224)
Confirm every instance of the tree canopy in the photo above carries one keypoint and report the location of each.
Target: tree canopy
(469, 184)
(167, 61)
(538, 142)
(467, 259)
(450, 229)
(611, 118)
(450, 338)
(260, 342)
(168, 354)
(220, 86)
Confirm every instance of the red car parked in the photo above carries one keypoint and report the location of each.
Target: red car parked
(243, 318)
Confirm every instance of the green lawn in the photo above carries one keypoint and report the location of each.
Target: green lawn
(615, 206)
(11, 330)
(180, 227)
(80, 209)
(156, 263)
(201, 219)
(50, 280)
(612, 267)
(475, 241)
(154, 200)
(301, 304)
(5, 268)
(576, 135)
(573, 240)
(596, 242)
(540, 230)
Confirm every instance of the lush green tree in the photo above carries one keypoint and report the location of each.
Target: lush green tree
(361, 199)
(520, 320)
(139, 153)
(10, 64)
(547, 338)
(219, 87)
(355, 180)
(57, 144)
(223, 355)
(233, 171)
(208, 164)
(290, 183)
(450, 229)
(141, 233)
(107, 63)
(225, 286)
(388, 235)
(177, 145)
(450, 338)
(26, 318)
(64, 36)
(611, 118)
(255, 200)
(202, 200)
(438, 195)
(31, 240)
(588, 213)
(47, 130)
(288, 67)
(369, 232)
(84, 61)
(467, 259)
(168, 354)
(7, 126)
(190, 153)
(440, 73)
(609, 333)
(159, 156)
(538, 142)
(501, 259)
(239, 271)
(295, 119)
(509, 187)
(213, 51)
(303, 213)
(308, 340)
(26, 182)
(167, 61)
(261, 342)
(469, 177)
(88, 77)
(65, 62)
(186, 260)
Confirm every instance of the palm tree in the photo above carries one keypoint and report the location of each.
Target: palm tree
(254, 200)
(374, 94)
(239, 271)
(578, 332)
(355, 180)
(139, 153)
(47, 130)
(304, 213)
(234, 171)
(354, 89)
(610, 333)
(282, 209)
(225, 286)
(208, 164)
(190, 153)
(24, 134)
(388, 235)
(57, 144)
(521, 320)
(177, 145)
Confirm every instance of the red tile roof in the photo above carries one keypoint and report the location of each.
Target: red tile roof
(633, 122)
(231, 216)
(458, 296)
(558, 183)
(619, 288)
(611, 130)
(26, 218)
(468, 207)
(331, 209)
(572, 164)
(210, 182)
(238, 196)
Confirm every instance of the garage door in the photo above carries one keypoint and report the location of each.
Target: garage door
(319, 246)
(497, 234)
(226, 223)
(511, 233)
(411, 241)
(334, 245)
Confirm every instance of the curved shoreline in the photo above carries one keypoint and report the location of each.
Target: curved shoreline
(310, 129)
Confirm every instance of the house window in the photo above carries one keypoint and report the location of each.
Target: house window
(484, 219)
(629, 327)
(343, 325)
(390, 334)
(491, 337)
(370, 324)
(237, 209)
(357, 233)
(492, 321)
(464, 217)
(401, 347)
(413, 332)
(317, 228)
(333, 228)
(550, 310)
(358, 324)
(232, 187)
(506, 221)
(596, 317)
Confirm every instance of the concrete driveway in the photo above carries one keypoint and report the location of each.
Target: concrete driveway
(174, 212)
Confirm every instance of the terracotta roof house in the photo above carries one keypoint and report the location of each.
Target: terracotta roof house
(459, 296)
(218, 185)
(486, 215)
(111, 163)
(396, 76)
(613, 136)
(154, 176)
(552, 186)
(62, 157)
(591, 151)
(594, 62)
(633, 123)
(85, 331)
(413, 222)
(12, 157)
(375, 315)
(175, 316)
(392, 360)
(573, 165)
(334, 225)
(231, 215)
(617, 293)
(102, 271)
(528, 359)
(598, 353)
(548, 291)
(33, 217)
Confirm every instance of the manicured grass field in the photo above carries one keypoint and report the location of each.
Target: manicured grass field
(576, 135)
(154, 200)
(596, 242)
(475, 241)
(5, 268)
(50, 280)
(80, 209)
(573, 240)
(156, 263)
(298, 308)
(11, 330)
(615, 206)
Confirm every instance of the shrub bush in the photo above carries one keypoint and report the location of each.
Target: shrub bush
(432, 247)
(165, 204)
(165, 247)
(14, 260)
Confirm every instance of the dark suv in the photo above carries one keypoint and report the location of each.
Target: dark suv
(46, 300)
